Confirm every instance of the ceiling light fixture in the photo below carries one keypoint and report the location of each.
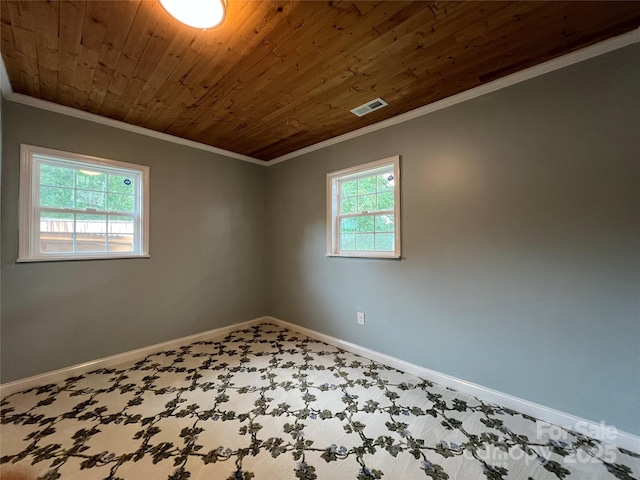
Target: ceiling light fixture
(196, 13)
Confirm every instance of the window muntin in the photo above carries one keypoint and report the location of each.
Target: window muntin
(79, 207)
(363, 210)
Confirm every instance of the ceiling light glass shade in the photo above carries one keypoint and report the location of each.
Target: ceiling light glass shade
(196, 13)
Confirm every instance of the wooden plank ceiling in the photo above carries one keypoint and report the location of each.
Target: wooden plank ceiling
(278, 76)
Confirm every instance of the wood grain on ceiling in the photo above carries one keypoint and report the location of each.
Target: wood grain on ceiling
(278, 76)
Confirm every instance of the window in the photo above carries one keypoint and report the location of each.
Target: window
(75, 207)
(363, 210)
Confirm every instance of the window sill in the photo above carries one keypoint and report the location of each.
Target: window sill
(76, 258)
(391, 256)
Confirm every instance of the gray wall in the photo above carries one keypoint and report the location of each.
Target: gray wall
(520, 246)
(206, 241)
(1, 108)
(521, 237)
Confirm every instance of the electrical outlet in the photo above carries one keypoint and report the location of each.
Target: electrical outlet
(360, 318)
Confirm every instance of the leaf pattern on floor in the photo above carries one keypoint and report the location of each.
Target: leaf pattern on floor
(268, 403)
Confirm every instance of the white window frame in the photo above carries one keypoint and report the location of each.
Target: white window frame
(29, 209)
(333, 205)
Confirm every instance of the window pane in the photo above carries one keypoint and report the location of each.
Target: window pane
(89, 180)
(347, 225)
(364, 224)
(364, 241)
(367, 203)
(121, 184)
(88, 199)
(121, 243)
(349, 205)
(385, 182)
(350, 189)
(91, 233)
(385, 201)
(56, 197)
(384, 242)
(91, 242)
(119, 202)
(120, 225)
(56, 176)
(91, 223)
(120, 234)
(366, 185)
(347, 242)
(56, 222)
(384, 223)
(56, 242)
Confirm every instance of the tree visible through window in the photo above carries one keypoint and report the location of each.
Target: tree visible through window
(73, 206)
(363, 210)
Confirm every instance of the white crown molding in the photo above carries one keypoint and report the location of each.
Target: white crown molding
(577, 56)
(133, 355)
(92, 117)
(596, 430)
(537, 70)
(5, 83)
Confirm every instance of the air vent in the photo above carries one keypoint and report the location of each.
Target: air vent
(369, 107)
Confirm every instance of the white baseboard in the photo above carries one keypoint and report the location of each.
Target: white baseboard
(556, 417)
(132, 355)
(598, 431)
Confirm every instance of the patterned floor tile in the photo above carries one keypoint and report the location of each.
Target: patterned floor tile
(267, 403)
